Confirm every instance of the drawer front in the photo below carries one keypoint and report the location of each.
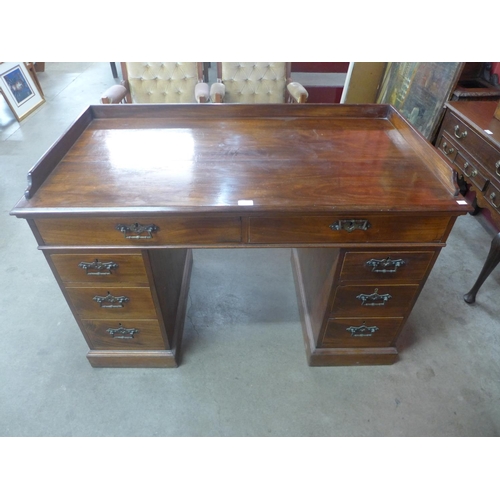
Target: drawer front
(347, 229)
(382, 266)
(373, 300)
(473, 143)
(361, 332)
(130, 231)
(100, 268)
(492, 196)
(112, 302)
(471, 170)
(126, 335)
(447, 147)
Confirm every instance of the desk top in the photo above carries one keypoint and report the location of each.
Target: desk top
(239, 159)
(480, 116)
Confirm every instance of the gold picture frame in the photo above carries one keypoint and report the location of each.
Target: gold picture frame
(19, 89)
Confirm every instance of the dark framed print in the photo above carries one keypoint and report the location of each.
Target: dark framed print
(20, 91)
(418, 90)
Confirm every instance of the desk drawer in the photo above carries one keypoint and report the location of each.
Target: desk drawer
(373, 300)
(100, 268)
(341, 229)
(126, 335)
(137, 231)
(361, 332)
(467, 166)
(383, 266)
(492, 195)
(471, 170)
(112, 302)
(474, 144)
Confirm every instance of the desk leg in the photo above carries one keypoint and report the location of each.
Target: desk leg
(491, 262)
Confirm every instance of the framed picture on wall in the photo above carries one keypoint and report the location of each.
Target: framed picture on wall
(418, 90)
(19, 89)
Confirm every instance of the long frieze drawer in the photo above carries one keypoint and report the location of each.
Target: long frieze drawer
(373, 300)
(469, 140)
(347, 229)
(100, 268)
(112, 302)
(380, 266)
(361, 332)
(125, 335)
(112, 231)
(492, 195)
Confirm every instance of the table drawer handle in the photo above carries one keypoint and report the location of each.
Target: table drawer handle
(374, 299)
(497, 166)
(473, 173)
(385, 265)
(362, 331)
(458, 134)
(350, 225)
(122, 333)
(492, 198)
(110, 301)
(137, 229)
(98, 268)
(447, 151)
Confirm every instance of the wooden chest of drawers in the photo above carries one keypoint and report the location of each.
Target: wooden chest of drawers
(469, 138)
(120, 201)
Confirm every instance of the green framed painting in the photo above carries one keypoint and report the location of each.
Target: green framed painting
(418, 90)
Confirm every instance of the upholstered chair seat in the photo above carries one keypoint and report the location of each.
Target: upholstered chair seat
(159, 82)
(256, 83)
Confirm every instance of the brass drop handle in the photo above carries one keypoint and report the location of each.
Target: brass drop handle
(362, 331)
(98, 268)
(492, 198)
(110, 301)
(350, 225)
(447, 151)
(137, 230)
(122, 333)
(385, 265)
(473, 173)
(458, 134)
(497, 167)
(374, 299)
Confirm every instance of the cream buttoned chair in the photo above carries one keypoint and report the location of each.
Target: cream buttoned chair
(256, 83)
(159, 83)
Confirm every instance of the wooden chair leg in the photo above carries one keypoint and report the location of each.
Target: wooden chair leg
(113, 69)
(491, 262)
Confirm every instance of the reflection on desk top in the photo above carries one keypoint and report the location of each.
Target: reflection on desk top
(239, 159)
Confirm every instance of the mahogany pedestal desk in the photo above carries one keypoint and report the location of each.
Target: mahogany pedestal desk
(120, 200)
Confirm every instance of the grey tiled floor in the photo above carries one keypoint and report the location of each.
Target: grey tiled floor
(244, 370)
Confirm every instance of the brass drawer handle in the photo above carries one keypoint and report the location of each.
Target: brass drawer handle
(472, 174)
(492, 198)
(362, 331)
(98, 268)
(350, 225)
(110, 301)
(385, 265)
(137, 229)
(458, 134)
(497, 166)
(374, 299)
(447, 151)
(122, 333)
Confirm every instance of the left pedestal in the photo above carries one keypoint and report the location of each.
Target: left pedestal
(130, 305)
